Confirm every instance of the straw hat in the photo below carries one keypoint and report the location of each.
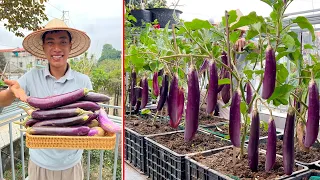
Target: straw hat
(33, 42)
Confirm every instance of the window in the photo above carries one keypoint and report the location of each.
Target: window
(20, 64)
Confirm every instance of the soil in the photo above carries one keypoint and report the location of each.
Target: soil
(201, 142)
(206, 119)
(224, 129)
(222, 162)
(307, 157)
(145, 126)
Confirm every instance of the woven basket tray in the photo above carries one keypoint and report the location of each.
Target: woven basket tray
(70, 142)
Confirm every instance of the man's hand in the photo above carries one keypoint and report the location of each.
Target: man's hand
(239, 45)
(15, 88)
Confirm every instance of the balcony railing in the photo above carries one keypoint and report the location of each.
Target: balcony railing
(8, 118)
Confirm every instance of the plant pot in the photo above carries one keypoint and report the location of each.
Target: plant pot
(305, 175)
(135, 146)
(166, 163)
(141, 16)
(164, 15)
(198, 170)
(312, 164)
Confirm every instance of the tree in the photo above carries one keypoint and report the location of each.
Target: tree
(26, 14)
(108, 52)
(84, 65)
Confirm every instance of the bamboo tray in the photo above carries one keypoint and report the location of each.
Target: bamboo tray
(70, 142)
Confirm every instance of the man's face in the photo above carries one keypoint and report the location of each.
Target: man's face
(56, 47)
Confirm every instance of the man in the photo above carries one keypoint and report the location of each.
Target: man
(56, 43)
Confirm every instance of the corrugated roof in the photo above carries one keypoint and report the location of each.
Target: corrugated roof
(12, 50)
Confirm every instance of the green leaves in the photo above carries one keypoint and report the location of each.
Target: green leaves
(224, 81)
(251, 18)
(281, 95)
(303, 23)
(197, 24)
(282, 73)
(22, 14)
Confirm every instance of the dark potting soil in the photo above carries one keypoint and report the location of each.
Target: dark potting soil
(206, 119)
(222, 162)
(200, 142)
(147, 127)
(307, 157)
(224, 129)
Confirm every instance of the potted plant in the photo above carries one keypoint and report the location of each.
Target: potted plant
(138, 11)
(162, 13)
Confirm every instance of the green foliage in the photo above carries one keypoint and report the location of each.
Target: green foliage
(108, 52)
(84, 65)
(17, 15)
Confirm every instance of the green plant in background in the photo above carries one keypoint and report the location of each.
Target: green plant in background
(2, 84)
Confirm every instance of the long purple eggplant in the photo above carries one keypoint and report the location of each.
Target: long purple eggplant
(85, 105)
(253, 146)
(269, 77)
(249, 96)
(235, 119)
(204, 66)
(145, 92)
(138, 94)
(59, 131)
(133, 85)
(213, 88)
(193, 105)
(56, 113)
(78, 120)
(271, 145)
(288, 142)
(155, 84)
(175, 102)
(163, 91)
(312, 125)
(96, 97)
(59, 100)
(106, 124)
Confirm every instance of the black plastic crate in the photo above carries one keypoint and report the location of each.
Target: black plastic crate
(311, 165)
(163, 163)
(305, 175)
(135, 151)
(198, 171)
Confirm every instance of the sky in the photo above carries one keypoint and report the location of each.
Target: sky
(100, 19)
(207, 9)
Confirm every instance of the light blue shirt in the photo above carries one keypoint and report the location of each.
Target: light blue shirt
(40, 83)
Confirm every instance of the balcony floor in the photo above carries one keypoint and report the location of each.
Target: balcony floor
(133, 174)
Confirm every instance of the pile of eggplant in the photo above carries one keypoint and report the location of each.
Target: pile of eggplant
(70, 114)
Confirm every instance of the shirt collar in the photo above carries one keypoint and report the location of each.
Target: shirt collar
(68, 76)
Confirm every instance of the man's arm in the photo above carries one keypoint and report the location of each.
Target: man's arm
(9, 95)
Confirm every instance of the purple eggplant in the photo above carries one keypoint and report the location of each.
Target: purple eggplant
(271, 145)
(155, 84)
(59, 100)
(58, 131)
(253, 146)
(96, 97)
(77, 120)
(249, 96)
(288, 142)
(56, 113)
(133, 85)
(85, 105)
(213, 88)
(270, 73)
(193, 105)
(106, 124)
(235, 119)
(312, 125)
(145, 92)
(163, 92)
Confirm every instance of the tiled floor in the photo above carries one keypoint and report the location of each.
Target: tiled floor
(132, 174)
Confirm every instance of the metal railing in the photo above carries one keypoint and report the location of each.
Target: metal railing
(10, 117)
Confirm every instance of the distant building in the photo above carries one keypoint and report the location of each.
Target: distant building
(19, 62)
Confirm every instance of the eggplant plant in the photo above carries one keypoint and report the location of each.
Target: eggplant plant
(193, 53)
